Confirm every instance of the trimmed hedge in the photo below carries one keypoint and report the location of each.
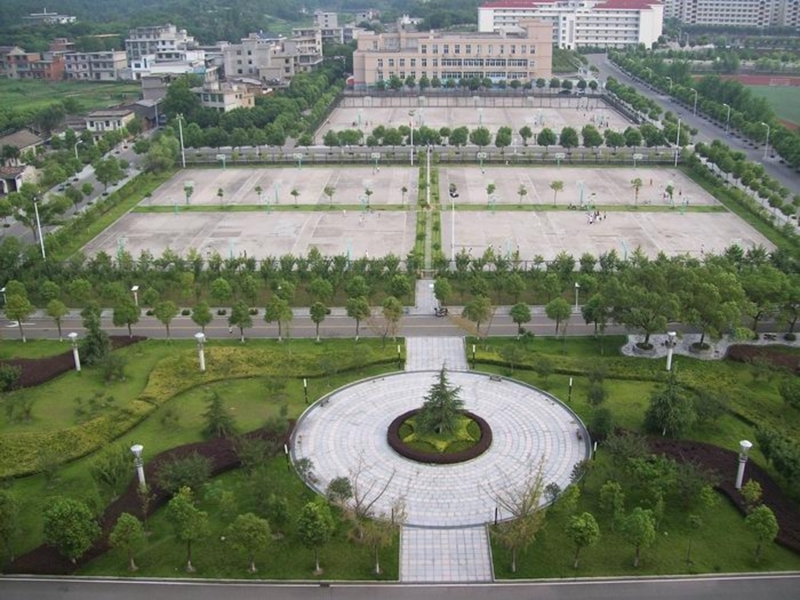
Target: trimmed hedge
(397, 444)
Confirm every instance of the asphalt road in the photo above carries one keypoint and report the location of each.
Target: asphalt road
(774, 587)
(706, 130)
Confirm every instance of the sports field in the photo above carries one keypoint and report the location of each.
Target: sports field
(785, 100)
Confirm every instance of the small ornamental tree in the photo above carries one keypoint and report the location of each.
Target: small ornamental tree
(250, 534)
(18, 308)
(220, 423)
(763, 525)
(441, 408)
(240, 317)
(584, 532)
(639, 529)
(57, 310)
(318, 312)
(166, 311)
(70, 526)
(201, 315)
(189, 523)
(128, 534)
(314, 528)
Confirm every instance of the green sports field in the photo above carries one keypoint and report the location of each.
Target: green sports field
(783, 100)
(92, 96)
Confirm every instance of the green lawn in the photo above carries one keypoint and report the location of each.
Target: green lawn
(783, 100)
(12, 347)
(92, 96)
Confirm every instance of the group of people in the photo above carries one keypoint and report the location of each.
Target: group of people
(595, 217)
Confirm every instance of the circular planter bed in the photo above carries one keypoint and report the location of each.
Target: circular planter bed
(440, 458)
(698, 348)
(643, 349)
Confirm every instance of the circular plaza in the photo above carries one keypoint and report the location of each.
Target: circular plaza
(344, 435)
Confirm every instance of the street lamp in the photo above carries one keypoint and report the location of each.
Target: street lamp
(135, 290)
(38, 224)
(744, 448)
(678, 142)
(728, 118)
(695, 102)
(670, 85)
(139, 464)
(180, 133)
(201, 355)
(411, 122)
(5, 299)
(76, 357)
(75, 148)
(766, 150)
(577, 290)
(671, 343)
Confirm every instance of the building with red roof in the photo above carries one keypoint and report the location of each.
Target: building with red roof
(577, 23)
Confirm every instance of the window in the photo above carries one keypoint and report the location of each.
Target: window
(457, 49)
(424, 49)
(446, 49)
(380, 63)
(424, 62)
(469, 48)
(391, 62)
(402, 62)
(413, 62)
(436, 48)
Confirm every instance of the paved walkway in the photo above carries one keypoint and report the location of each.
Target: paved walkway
(426, 302)
(447, 506)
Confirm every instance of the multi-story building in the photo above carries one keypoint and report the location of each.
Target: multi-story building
(326, 20)
(164, 41)
(223, 96)
(176, 63)
(272, 59)
(7, 61)
(736, 13)
(330, 35)
(524, 53)
(96, 66)
(34, 65)
(103, 121)
(576, 23)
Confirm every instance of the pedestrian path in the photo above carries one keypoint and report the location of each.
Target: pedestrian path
(445, 555)
(426, 301)
(431, 354)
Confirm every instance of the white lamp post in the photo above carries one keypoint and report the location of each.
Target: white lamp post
(39, 223)
(671, 335)
(201, 355)
(135, 290)
(577, 290)
(180, 133)
(744, 448)
(411, 121)
(766, 151)
(695, 102)
(670, 85)
(75, 148)
(139, 464)
(5, 299)
(727, 119)
(73, 338)
(678, 142)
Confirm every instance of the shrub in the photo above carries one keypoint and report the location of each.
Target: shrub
(9, 377)
(186, 312)
(222, 312)
(191, 472)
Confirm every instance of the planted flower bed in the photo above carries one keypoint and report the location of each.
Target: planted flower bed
(776, 357)
(416, 453)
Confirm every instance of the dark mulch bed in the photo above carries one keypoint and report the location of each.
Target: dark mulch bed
(36, 371)
(776, 358)
(725, 463)
(45, 560)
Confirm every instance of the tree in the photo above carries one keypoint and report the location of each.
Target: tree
(318, 312)
(57, 310)
(219, 422)
(526, 133)
(295, 193)
(636, 184)
(612, 501)
(763, 525)
(522, 191)
(9, 524)
(329, 191)
(520, 314)
(128, 534)
(358, 309)
(189, 523)
(108, 171)
(392, 313)
(556, 186)
(480, 136)
(250, 534)
(559, 311)
(126, 313)
(442, 407)
(442, 290)
(221, 290)
(546, 138)
(278, 311)
(478, 310)
(568, 138)
(523, 505)
(18, 308)
(314, 528)
(240, 317)
(201, 315)
(671, 411)
(221, 195)
(584, 532)
(166, 311)
(70, 526)
(639, 530)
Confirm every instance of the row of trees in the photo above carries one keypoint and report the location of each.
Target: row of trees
(589, 136)
(554, 84)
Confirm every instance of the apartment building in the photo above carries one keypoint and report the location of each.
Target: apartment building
(735, 13)
(176, 63)
(223, 96)
(326, 20)
(576, 23)
(524, 53)
(164, 41)
(273, 59)
(96, 66)
(18, 64)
